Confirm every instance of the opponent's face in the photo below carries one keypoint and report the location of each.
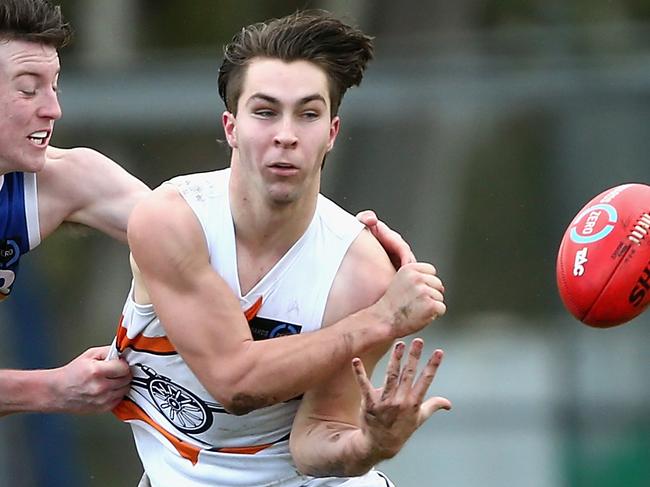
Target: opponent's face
(283, 128)
(28, 103)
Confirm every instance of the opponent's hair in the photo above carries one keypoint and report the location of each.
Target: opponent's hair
(341, 50)
(34, 21)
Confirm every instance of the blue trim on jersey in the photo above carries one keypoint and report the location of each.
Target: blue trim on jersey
(14, 236)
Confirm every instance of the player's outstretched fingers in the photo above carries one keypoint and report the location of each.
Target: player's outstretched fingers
(432, 405)
(364, 383)
(393, 371)
(408, 374)
(427, 375)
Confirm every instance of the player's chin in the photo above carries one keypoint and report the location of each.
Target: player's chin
(33, 163)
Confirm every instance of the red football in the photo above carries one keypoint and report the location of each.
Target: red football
(603, 265)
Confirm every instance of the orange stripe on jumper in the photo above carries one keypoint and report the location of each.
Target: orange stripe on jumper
(160, 345)
(244, 450)
(127, 410)
(251, 312)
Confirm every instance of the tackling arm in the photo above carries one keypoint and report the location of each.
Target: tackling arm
(88, 384)
(83, 186)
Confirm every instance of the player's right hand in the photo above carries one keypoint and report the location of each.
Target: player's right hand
(414, 298)
(89, 383)
(392, 413)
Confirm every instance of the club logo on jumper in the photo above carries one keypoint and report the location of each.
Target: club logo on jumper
(9, 253)
(593, 224)
(181, 407)
(264, 328)
(579, 262)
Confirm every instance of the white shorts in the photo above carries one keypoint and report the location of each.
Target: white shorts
(371, 479)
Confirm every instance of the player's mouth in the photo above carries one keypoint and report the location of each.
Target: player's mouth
(283, 168)
(39, 138)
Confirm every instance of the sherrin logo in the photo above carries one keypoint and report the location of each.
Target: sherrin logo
(593, 224)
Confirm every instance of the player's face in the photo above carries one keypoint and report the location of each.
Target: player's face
(283, 128)
(28, 103)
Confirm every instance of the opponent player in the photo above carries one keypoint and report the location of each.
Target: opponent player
(42, 186)
(213, 399)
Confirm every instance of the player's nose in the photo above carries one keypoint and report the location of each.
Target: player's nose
(286, 136)
(50, 107)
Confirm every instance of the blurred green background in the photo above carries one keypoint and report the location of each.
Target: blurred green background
(478, 132)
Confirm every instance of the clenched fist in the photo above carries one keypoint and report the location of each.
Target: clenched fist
(414, 298)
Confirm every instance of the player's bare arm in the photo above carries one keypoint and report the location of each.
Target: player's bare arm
(88, 384)
(204, 321)
(344, 426)
(83, 186)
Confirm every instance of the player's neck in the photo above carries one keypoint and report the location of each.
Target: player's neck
(4, 168)
(263, 224)
(268, 228)
(264, 235)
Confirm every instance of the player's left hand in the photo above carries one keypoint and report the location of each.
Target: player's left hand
(392, 413)
(396, 247)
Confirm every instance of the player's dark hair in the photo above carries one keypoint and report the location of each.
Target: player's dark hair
(341, 50)
(34, 21)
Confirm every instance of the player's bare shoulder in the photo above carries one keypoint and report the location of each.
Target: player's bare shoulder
(160, 212)
(364, 276)
(163, 228)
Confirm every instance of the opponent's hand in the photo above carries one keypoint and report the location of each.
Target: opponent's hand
(392, 413)
(89, 383)
(414, 297)
(396, 247)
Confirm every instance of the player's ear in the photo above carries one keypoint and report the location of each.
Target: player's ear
(230, 128)
(335, 125)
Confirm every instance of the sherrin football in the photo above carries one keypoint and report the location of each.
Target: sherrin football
(603, 265)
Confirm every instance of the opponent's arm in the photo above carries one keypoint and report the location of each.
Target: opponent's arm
(84, 186)
(344, 426)
(204, 321)
(88, 384)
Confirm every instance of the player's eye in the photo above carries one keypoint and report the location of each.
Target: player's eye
(264, 112)
(310, 114)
